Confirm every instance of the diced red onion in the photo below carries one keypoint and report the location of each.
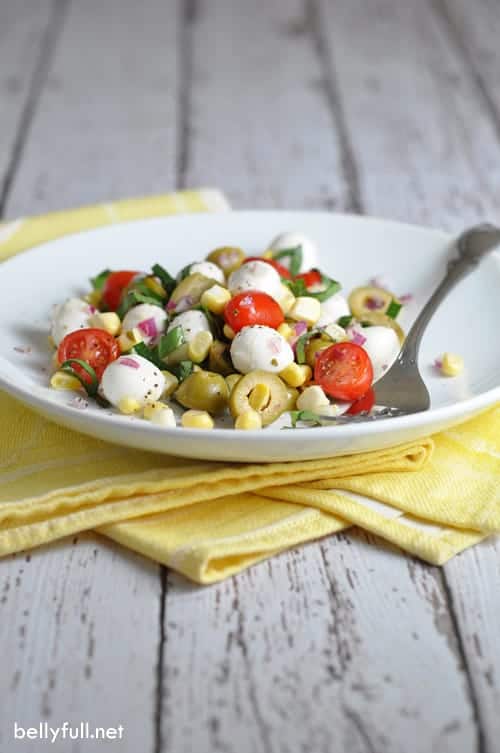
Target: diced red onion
(379, 282)
(438, 363)
(130, 362)
(356, 337)
(148, 327)
(374, 303)
(300, 328)
(92, 309)
(406, 298)
(171, 305)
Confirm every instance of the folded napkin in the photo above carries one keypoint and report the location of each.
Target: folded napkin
(208, 520)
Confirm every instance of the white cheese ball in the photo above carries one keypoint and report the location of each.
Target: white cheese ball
(292, 240)
(192, 323)
(256, 275)
(260, 347)
(332, 309)
(382, 345)
(141, 313)
(142, 382)
(69, 316)
(208, 269)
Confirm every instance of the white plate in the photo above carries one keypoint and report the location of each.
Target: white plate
(353, 249)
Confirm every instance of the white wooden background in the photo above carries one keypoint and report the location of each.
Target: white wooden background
(389, 107)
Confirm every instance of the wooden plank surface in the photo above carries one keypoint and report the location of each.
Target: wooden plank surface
(366, 106)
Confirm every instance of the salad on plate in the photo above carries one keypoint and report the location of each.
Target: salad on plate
(245, 339)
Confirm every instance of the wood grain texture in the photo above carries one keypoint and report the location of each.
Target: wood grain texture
(106, 126)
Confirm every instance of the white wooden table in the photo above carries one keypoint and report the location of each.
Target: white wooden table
(389, 107)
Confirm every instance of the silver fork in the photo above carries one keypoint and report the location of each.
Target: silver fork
(402, 389)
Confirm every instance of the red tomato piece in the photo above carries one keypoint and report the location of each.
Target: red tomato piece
(313, 277)
(94, 346)
(344, 371)
(363, 404)
(280, 268)
(114, 286)
(253, 307)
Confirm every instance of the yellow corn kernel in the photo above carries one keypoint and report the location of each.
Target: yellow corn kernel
(199, 346)
(106, 320)
(305, 309)
(215, 299)
(197, 419)
(248, 420)
(94, 298)
(229, 332)
(259, 397)
(128, 405)
(160, 414)
(313, 398)
(128, 339)
(232, 380)
(62, 381)
(171, 384)
(296, 375)
(287, 299)
(267, 254)
(452, 365)
(155, 286)
(285, 330)
(51, 341)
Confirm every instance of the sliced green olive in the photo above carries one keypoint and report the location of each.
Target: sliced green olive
(219, 359)
(203, 390)
(228, 258)
(191, 287)
(369, 300)
(278, 399)
(313, 347)
(376, 318)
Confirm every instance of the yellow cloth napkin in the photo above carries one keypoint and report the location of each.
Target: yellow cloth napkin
(209, 520)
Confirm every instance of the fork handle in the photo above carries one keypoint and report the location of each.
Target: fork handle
(472, 246)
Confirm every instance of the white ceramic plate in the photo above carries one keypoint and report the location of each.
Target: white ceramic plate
(353, 250)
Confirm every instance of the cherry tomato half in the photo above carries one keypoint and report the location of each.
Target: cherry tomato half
(253, 307)
(94, 346)
(344, 371)
(114, 286)
(363, 404)
(313, 277)
(280, 268)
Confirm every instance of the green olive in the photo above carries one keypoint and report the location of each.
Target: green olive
(278, 400)
(313, 347)
(369, 300)
(203, 390)
(228, 258)
(219, 359)
(192, 287)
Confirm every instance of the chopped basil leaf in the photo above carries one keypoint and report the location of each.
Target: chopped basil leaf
(182, 370)
(297, 287)
(134, 297)
(98, 281)
(331, 287)
(141, 287)
(393, 309)
(168, 282)
(304, 415)
(170, 342)
(365, 324)
(301, 343)
(295, 256)
(150, 354)
(185, 271)
(345, 321)
(68, 368)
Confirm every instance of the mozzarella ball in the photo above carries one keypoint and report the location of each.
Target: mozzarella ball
(69, 316)
(332, 309)
(142, 313)
(132, 377)
(256, 275)
(192, 323)
(292, 240)
(208, 269)
(260, 347)
(382, 345)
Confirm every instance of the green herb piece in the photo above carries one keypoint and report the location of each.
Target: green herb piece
(134, 297)
(98, 281)
(301, 343)
(331, 287)
(345, 321)
(168, 282)
(141, 288)
(182, 370)
(170, 342)
(394, 309)
(150, 354)
(90, 388)
(295, 256)
(185, 271)
(304, 415)
(365, 324)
